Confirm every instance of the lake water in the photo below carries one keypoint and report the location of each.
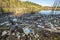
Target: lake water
(47, 12)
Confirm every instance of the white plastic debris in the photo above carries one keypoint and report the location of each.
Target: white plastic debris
(14, 19)
(40, 26)
(26, 31)
(4, 33)
(13, 33)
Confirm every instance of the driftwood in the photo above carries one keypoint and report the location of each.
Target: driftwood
(42, 34)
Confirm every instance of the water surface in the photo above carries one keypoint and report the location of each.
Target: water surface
(47, 12)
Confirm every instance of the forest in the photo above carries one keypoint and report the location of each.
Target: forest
(18, 6)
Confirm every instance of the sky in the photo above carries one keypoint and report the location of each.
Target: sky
(42, 2)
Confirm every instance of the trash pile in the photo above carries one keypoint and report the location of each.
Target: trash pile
(32, 27)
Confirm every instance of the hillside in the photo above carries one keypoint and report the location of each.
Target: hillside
(18, 7)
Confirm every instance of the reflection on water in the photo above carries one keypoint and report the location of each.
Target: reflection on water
(47, 12)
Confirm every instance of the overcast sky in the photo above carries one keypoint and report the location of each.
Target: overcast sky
(42, 2)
